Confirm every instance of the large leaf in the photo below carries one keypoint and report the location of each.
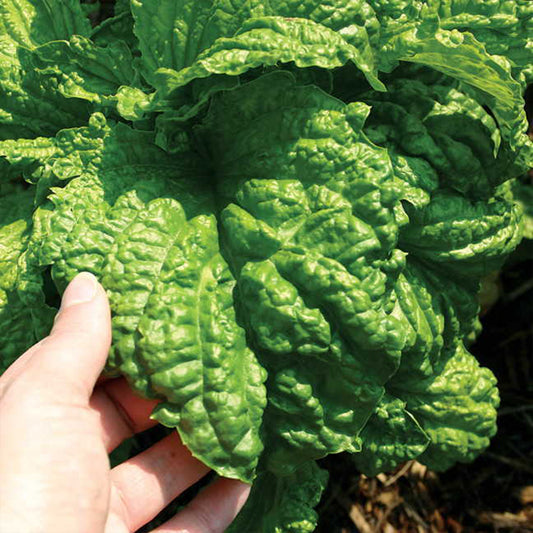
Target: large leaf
(171, 34)
(466, 238)
(87, 71)
(436, 120)
(456, 408)
(174, 34)
(30, 102)
(391, 437)
(505, 28)
(461, 56)
(268, 41)
(297, 232)
(117, 28)
(174, 326)
(309, 231)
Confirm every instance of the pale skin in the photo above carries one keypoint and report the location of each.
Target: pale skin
(59, 421)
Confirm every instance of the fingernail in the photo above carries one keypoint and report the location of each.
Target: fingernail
(81, 290)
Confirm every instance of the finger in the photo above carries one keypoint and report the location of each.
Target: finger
(122, 413)
(212, 510)
(146, 484)
(71, 358)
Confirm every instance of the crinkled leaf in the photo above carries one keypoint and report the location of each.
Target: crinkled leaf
(87, 71)
(433, 320)
(391, 437)
(317, 232)
(456, 407)
(504, 27)
(465, 238)
(310, 252)
(115, 29)
(30, 102)
(35, 22)
(174, 34)
(171, 34)
(268, 41)
(64, 156)
(437, 122)
(462, 57)
(283, 504)
(21, 325)
(175, 334)
(523, 196)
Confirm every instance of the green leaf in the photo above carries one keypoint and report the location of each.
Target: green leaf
(433, 320)
(456, 407)
(523, 196)
(173, 35)
(462, 237)
(436, 121)
(283, 504)
(21, 325)
(309, 249)
(30, 102)
(86, 71)
(296, 272)
(174, 328)
(35, 22)
(268, 41)
(115, 29)
(505, 28)
(205, 45)
(462, 57)
(392, 436)
(64, 156)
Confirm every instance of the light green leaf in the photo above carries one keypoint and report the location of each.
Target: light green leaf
(30, 102)
(462, 237)
(523, 196)
(174, 34)
(456, 408)
(64, 156)
(392, 436)
(171, 34)
(268, 41)
(309, 231)
(35, 22)
(86, 71)
(21, 324)
(461, 56)
(433, 320)
(435, 121)
(504, 27)
(174, 328)
(276, 271)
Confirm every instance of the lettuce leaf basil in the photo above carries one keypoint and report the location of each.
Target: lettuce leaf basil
(291, 206)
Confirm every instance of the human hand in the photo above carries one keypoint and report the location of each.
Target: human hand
(57, 429)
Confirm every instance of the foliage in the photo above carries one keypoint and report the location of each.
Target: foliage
(290, 205)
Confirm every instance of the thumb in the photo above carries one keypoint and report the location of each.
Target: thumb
(74, 353)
